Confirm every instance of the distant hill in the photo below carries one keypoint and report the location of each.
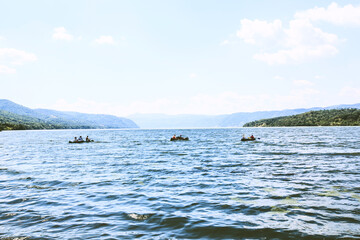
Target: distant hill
(239, 119)
(93, 120)
(12, 121)
(20, 117)
(226, 120)
(334, 117)
(156, 121)
(357, 106)
(9, 106)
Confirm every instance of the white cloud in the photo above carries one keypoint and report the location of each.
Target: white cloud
(2, 38)
(60, 33)
(303, 33)
(302, 83)
(278, 78)
(296, 55)
(300, 41)
(11, 56)
(347, 15)
(254, 31)
(350, 92)
(16, 57)
(105, 40)
(6, 70)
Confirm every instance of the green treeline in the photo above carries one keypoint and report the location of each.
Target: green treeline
(335, 117)
(11, 121)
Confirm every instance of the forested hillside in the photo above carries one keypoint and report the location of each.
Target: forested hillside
(14, 116)
(11, 121)
(335, 117)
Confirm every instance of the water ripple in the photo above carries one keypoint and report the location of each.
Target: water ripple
(294, 183)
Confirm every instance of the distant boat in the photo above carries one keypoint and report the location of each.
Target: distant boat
(248, 139)
(252, 138)
(81, 141)
(179, 139)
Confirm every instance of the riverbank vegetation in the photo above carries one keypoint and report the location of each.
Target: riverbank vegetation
(334, 117)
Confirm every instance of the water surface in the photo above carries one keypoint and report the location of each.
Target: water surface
(293, 183)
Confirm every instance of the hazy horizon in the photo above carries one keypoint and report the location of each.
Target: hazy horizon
(179, 57)
(181, 114)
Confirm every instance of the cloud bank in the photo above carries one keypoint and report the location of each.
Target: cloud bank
(298, 40)
(61, 33)
(13, 57)
(341, 16)
(222, 103)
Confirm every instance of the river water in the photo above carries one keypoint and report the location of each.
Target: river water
(292, 183)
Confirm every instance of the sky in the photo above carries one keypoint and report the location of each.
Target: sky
(179, 56)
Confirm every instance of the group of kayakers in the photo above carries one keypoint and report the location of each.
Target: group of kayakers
(248, 138)
(80, 139)
(174, 138)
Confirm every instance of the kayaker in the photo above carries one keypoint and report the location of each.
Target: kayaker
(75, 139)
(174, 137)
(81, 139)
(87, 139)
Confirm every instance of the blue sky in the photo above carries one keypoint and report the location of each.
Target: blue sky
(198, 57)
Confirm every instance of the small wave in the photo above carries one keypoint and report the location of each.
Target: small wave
(345, 154)
(278, 210)
(278, 153)
(11, 171)
(329, 194)
(137, 216)
(284, 174)
(14, 238)
(245, 230)
(357, 197)
(206, 189)
(331, 154)
(18, 200)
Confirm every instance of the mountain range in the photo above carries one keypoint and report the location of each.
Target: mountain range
(227, 120)
(45, 118)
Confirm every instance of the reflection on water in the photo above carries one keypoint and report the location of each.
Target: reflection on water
(292, 183)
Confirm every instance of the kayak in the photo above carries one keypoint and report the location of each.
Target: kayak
(179, 139)
(248, 139)
(81, 141)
